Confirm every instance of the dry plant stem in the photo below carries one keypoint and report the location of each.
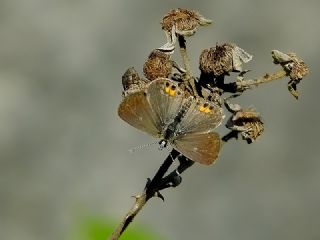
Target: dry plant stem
(186, 63)
(184, 55)
(243, 84)
(138, 205)
(150, 191)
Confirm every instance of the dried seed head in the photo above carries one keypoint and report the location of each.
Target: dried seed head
(185, 21)
(298, 71)
(254, 130)
(157, 65)
(131, 82)
(295, 68)
(248, 123)
(222, 59)
(216, 60)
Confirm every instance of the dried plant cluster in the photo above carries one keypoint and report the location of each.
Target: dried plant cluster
(183, 110)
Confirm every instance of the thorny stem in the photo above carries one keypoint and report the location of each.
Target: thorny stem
(141, 200)
(151, 190)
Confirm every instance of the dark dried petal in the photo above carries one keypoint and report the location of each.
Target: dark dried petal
(157, 65)
(185, 21)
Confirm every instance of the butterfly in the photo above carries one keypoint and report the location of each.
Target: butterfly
(167, 111)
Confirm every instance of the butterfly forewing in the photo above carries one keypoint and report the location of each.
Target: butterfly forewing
(203, 148)
(166, 99)
(135, 109)
(201, 117)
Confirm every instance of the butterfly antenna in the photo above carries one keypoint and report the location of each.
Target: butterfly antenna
(138, 148)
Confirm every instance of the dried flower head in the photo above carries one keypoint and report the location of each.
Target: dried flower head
(246, 121)
(185, 21)
(299, 68)
(222, 59)
(294, 66)
(131, 82)
(157, 65)
(254, 129)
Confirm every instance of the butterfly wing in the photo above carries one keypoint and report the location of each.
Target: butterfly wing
(152, 109)
(203, 148)
(200, 117)
(135, 109)
(166, 99)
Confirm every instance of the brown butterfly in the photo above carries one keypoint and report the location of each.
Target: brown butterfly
(164, 110)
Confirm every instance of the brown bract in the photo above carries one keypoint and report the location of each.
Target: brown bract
(157, 65)
(185, 21)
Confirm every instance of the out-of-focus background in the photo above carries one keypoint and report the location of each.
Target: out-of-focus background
(64, 151)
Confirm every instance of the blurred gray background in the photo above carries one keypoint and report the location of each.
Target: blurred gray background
(64, 151)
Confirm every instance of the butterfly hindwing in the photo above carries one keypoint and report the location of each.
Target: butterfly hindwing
(203, 148)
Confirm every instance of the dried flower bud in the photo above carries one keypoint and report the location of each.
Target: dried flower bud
(131, 82)
(254, 129)
(222, 59)
(299, 68)
(247, 122)
(294, 66)
(157, 65)
(185, 21)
